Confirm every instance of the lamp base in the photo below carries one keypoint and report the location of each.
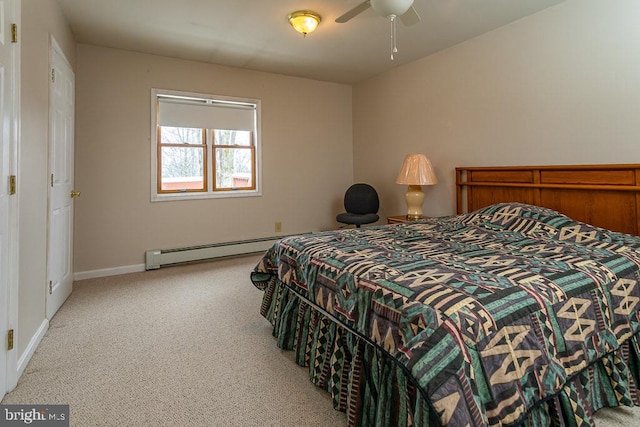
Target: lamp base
(415, 199)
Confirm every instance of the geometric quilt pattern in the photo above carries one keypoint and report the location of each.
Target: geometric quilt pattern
(493, 314)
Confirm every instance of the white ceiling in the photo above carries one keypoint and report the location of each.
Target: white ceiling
(255, 34)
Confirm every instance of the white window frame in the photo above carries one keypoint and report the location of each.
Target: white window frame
(210, 193)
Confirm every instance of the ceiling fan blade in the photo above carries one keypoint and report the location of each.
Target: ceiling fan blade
(353, 12)
(410, 17)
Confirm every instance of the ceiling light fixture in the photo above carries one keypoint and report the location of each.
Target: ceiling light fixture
(392, 9)
(304, 21)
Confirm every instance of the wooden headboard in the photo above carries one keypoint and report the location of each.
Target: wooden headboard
(607, 196)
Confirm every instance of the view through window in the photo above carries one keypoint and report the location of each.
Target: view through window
(205, 146)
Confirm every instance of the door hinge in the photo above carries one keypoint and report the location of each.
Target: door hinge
(12, 184)
(10, 340)
(52, 180)
(50, 287)
(14, 33)
(53, 75)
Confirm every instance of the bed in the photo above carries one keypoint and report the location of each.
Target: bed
(512, 313)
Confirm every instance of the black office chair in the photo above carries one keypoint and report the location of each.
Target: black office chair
(361, 204)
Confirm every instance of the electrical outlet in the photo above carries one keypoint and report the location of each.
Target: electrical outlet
(278, 227)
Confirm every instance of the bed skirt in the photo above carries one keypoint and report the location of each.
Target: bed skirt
(374, 390)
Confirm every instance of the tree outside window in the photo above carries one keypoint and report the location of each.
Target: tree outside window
(234, 159)
(182, 158)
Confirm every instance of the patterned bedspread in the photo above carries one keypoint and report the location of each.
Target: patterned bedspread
(491, 313)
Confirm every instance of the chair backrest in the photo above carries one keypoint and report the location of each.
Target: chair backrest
(361, 199)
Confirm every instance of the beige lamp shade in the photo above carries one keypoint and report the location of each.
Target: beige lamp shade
(415, 172)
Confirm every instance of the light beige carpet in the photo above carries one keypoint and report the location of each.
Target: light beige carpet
(180, 346)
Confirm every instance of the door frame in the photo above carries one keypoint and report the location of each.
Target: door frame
(9, 293)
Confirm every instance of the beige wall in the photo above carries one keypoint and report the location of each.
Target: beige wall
(40, 19)
(560, 87)
(306, 157)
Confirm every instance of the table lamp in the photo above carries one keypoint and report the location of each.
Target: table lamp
(416, 171)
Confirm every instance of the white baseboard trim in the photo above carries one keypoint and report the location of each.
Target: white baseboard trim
(92, 274)
(33, 345)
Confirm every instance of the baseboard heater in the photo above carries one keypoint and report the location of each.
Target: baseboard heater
(165, 257)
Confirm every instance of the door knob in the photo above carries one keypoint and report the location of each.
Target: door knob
(74, 194)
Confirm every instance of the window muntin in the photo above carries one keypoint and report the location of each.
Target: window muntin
(204, 146)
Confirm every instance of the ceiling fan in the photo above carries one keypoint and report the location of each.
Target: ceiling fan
(397, 8)
(391, 9)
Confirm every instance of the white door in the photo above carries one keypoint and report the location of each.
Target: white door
(61, 191)
(8, 203)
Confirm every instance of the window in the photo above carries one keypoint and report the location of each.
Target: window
(234, 155)
(204, 146)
